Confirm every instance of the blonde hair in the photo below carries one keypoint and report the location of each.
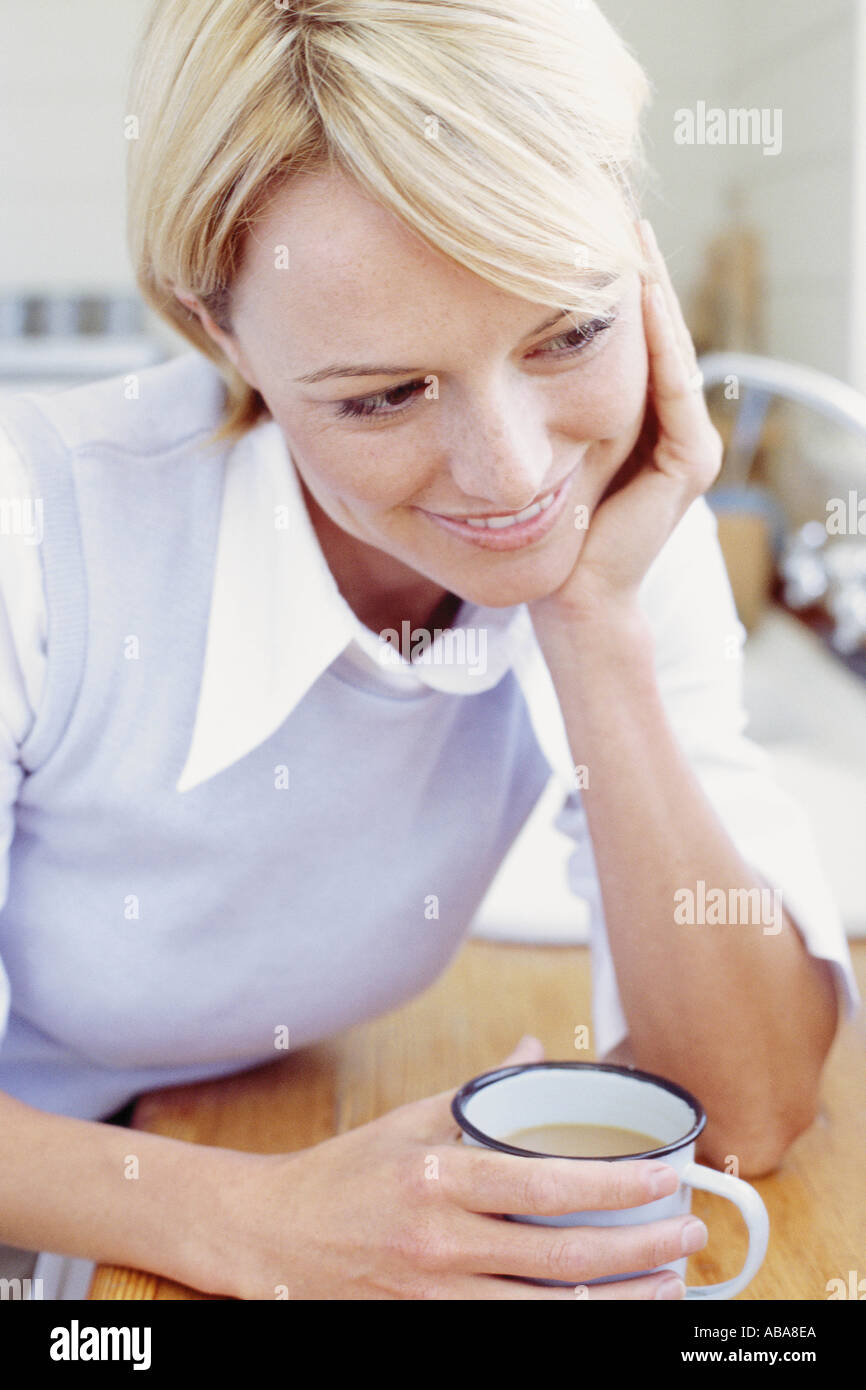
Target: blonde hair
(506, 133)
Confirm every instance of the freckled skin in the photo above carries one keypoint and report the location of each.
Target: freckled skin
(508, 423)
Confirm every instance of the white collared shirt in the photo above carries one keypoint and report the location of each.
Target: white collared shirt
(264, 586)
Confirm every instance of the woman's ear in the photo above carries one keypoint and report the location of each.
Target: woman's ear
(189, 301)
(225, 341)
(197, 309)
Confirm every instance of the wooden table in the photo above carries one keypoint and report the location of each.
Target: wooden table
(467, 1023)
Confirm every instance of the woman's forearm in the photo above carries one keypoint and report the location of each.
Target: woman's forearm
(113, 1195)
(742, 1016)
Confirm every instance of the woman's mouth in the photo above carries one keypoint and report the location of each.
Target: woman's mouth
(509, 531)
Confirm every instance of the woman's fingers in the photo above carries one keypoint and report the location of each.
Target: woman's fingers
(649, 1286)
(688, 443)
(474, 1185)
(669, 373)
(571, 1253)
(483, 1180)
(492, 1287)
(681, 328)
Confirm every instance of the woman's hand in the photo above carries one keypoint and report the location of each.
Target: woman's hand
(398, 1209)
(676, 458)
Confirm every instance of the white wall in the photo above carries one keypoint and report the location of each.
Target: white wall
(63, 79)
(63, 82)
(858, 229)
(787, 54)
(802, 200)
(682, 45)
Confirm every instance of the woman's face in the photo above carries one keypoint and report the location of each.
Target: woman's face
(414, 395)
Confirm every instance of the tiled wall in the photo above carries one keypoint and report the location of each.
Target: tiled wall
(681, 45)
(63, 81)
(803, 199)
(801, 58)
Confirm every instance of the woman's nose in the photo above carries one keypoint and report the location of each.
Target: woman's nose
(501, 454)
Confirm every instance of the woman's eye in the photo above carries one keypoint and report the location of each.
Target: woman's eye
(576, 339)
(391, 402)
(385, 403)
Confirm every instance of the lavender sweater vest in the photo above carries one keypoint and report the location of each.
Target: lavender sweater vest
(151, 937)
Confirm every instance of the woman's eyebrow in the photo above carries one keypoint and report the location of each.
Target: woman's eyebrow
(366, 369)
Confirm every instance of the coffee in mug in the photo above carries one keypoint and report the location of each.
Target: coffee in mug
(525, 1108)
(583, 1141)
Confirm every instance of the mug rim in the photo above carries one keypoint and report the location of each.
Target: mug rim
(489, 1078)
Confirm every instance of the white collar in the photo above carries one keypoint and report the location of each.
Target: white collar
(278, 621)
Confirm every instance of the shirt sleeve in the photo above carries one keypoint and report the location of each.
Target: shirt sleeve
(23, 627)
(698, 646)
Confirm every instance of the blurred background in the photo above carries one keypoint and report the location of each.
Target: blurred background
(757, 138)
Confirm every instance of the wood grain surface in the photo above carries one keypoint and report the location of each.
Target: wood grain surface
(467, 1023)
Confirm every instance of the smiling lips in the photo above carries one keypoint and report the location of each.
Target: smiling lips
(508, 532)
(501, 523)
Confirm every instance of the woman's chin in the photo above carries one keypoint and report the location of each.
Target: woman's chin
(524, 582)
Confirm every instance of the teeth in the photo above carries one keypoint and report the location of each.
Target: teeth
(501, 523)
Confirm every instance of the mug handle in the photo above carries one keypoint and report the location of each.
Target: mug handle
(754, 1213)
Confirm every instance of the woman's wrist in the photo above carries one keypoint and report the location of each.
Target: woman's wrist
(591, 641)
(181, 1223)
(132, 1198)
(217, 1254)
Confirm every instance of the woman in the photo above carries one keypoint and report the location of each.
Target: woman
(461, 399)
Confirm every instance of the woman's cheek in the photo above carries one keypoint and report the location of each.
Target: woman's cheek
(334, 460)
(378, 479)
(366, 476)
(609, 412)
(610, 397)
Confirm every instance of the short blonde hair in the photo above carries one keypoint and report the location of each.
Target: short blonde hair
(506, 133)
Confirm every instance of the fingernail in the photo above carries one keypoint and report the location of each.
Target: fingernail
(663, 1182)
(694, 1236)
(658, 298)
(671, 1288)
(650, 234)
